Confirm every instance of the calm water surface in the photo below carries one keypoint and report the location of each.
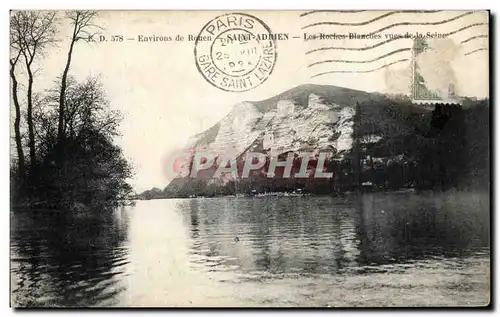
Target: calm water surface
(379, 249)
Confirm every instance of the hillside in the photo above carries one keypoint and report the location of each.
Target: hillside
(378, 130)
(301, 118)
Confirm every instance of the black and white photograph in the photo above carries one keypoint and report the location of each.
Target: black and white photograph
(259, 159)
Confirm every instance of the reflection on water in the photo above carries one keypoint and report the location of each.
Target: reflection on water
(141, 255)
(64, 260)
(322, 235)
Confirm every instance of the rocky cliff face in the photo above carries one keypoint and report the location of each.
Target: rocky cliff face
(307, 118)
(383, 140)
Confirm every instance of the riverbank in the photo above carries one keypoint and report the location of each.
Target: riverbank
(290, 194)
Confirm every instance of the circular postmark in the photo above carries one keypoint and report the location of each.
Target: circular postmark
(235, 52)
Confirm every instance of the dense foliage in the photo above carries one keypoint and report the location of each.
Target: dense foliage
(68, 131)
(88, 168)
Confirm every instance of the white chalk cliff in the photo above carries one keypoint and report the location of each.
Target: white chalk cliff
(308, 118)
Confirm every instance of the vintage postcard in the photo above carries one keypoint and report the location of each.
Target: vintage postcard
(250, 158)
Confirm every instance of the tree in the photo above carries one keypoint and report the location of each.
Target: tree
(82, 22)
(31, 32)
(94, 169)
(17, 121)
(71, 129)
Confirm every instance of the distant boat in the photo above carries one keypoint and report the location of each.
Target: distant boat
(279, 194)
(367, 186)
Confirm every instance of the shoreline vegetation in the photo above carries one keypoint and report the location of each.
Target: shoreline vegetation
(305, 194)
(68, 131)
(283, 194)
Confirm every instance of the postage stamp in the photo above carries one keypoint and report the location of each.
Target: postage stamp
(432, 60)
(235, 52)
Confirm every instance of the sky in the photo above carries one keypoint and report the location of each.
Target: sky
(165, 99)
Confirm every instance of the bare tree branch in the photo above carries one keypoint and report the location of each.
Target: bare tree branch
(30, 33)
(17, 121)
(83, 26)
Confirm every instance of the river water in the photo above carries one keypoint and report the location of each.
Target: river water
(375, 250)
